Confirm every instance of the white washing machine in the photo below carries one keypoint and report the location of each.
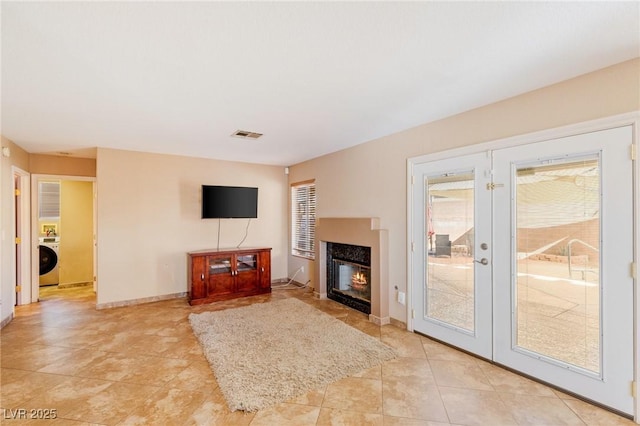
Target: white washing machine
(48, 249)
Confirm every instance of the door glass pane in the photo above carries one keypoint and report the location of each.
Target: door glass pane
(558, 261)
(449, 292)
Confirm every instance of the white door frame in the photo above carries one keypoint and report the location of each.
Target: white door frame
(35, 273)
(632, 119)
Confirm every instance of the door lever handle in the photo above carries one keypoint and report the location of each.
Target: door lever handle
(483, 261)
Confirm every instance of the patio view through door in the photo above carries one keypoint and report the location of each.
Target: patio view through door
(523, 256)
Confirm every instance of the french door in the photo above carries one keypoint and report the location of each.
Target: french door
(452, 225)
(523, 256)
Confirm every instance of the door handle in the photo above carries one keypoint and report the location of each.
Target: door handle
(483, 261)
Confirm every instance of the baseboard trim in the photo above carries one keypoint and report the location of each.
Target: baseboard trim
(140, 301)
(379, 320)
(78, 284)
(397, 323)
(6, 321)
(321, 296)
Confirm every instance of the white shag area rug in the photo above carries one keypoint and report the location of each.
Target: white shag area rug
(268, 353)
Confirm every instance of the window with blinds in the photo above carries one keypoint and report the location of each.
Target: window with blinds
(303, 219)
(49, 200)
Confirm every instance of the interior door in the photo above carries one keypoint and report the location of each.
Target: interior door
(452, 252)
(17, 212)
(563, 231)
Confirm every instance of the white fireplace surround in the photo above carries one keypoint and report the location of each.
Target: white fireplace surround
(360, 232)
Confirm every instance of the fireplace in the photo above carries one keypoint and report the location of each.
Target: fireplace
(366, 275)
(349, 275)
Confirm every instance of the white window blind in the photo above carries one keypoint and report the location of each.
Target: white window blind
(49, 200)
(303, 219)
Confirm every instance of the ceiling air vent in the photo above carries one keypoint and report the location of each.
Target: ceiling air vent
(245, 134)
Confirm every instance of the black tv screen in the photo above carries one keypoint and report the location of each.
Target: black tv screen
(228, 202)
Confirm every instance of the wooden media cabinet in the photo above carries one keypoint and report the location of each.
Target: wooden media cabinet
(225, 274)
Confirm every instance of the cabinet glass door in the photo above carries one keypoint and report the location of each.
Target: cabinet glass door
(247, 262)
(219, 265)
(246, 272)
(221, 275)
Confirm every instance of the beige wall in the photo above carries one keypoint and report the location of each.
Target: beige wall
(149, 208)
(148, 212)
(20, 159)
(76, 232)
(58, 165)
(369, 180)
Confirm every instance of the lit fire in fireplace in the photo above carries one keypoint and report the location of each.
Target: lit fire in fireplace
(358, 281)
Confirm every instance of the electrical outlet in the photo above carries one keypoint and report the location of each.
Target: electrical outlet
(302, 269)
(401, 297)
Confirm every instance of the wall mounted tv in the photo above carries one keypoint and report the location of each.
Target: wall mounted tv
(229, 202)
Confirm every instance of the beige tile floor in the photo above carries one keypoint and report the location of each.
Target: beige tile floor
(141, 365)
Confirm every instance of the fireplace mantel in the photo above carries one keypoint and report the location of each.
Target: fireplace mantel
(362, 232)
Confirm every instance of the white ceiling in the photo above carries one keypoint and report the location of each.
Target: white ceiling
(313, 77)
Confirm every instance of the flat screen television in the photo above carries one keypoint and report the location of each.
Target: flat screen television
(229, 202)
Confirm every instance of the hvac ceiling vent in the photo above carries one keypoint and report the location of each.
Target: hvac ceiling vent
(246, 135)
